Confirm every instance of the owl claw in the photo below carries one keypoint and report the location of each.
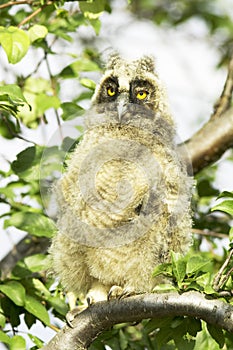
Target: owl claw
(70, 316)
(117, 292)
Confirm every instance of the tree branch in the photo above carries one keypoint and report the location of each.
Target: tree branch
(27, 246)
(209, 143)
(103, 315)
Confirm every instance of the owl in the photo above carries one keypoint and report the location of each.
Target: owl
(124, 197)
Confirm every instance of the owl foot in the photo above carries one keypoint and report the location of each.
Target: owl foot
(70, 316)
(117, 292)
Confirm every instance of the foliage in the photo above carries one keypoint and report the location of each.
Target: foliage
(35, 100)
(171, 13)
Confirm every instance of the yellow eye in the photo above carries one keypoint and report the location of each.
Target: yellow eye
(111, 91)
(141, 95)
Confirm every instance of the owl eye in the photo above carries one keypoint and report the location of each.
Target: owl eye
(141, 95)
(111, 91)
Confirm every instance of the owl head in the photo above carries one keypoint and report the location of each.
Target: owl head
(135, 83)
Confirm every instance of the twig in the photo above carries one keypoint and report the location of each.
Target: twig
(54, 93)
(14, 134)
(224, 101)
(33, 14)
(210, 233)
(20, 2)
(218, 283)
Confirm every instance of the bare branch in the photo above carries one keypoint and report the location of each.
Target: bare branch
(35, 13)
(19, 2)
(103, 315)
(219, 280)
(211, 141)
(210, 233)
(224, 101)
(27, 246)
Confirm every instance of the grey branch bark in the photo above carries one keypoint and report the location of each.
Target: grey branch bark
(103, 315)
(211, 141)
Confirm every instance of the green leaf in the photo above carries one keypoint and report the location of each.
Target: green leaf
(225, 206)
(178, 266)
(164, 287)
(96, 24)
(28, 164)
(24, 160)
(45, 102)
(15, 43)
(14, 291)
(4, 338)
(153, 324)
(92, 10)
(58, 304)
(206, 283)
(71, 110)
(34, 223)
(163, 269)
(217, 334)
(231, 235)
(225, 194)
(14, 93)
(29, 319)
(84, 65)
(88, 83)
(197, 263)
(37, 341)
(204, 341)
(37, 32)
(37, 263)
(2, 321)
(39, 93)
(37, 309)
(123, 340)
(17, 343)
(193, 326)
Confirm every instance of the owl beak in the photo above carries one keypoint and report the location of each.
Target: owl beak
(122, 105)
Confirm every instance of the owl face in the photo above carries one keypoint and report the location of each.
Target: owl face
(129, 83)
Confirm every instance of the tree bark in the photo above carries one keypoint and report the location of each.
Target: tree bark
(209, 143)
(103, 315)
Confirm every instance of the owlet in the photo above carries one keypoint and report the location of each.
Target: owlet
(124, 197)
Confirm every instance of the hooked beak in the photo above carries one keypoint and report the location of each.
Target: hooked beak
(122, 105)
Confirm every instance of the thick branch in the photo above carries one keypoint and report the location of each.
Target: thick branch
(101, 316)
(211, 141)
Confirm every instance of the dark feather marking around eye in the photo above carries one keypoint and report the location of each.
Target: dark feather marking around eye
(109, 82)
(138, 85)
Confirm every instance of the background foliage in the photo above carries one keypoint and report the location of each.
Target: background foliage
(34, 101)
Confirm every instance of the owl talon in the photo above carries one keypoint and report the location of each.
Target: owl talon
(70, 316)
(117, 292)
(127, 292)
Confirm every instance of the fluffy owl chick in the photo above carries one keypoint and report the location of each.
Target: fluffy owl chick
(124, 198)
